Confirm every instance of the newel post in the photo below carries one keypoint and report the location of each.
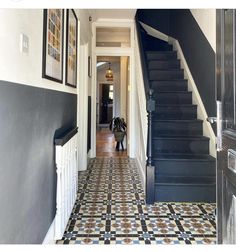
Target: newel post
(150, 169)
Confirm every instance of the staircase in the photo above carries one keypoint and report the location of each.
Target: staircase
(184, 170)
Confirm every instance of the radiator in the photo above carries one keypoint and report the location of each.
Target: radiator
(67, 177)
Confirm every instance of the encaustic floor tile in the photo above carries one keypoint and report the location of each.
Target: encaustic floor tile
(110, 209)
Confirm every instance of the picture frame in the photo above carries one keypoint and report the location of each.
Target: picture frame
(89, 67)
(71, 48)
(53, 45)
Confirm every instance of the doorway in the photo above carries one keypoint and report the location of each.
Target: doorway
(112, 89)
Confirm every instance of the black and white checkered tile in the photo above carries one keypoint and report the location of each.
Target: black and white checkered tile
(110, 209)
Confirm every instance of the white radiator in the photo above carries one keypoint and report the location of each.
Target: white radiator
(67, 177)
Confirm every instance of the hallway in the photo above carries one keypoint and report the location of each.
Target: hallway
(110, 209)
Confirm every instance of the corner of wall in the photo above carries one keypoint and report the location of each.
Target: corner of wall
(49, 238)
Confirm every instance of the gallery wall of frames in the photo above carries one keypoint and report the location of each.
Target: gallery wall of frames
(54, 48)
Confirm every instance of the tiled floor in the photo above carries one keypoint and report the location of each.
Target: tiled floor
(110, 209)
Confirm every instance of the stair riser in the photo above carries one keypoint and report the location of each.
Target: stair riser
(181, 146)
(185, 193)
(162, 56)
(173, 98)
(184, 168)
(175, 112)
(168, 64)
(169, 86)
(166, 75)
(177, 128)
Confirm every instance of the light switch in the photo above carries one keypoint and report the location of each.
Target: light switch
(24, 43)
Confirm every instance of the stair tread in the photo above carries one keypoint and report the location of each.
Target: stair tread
(170, 92)
(167, 70)
(160, 52)
(177, 69)
(167, 80)
(172, 80)
(196, 180)
(177, 120)
(171, 156)
(164, 60)
(176, 105)
(186, 137)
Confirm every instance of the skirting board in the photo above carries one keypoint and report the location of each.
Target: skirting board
(49, 238)
(141, 173)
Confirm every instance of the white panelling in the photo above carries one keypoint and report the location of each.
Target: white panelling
(49, 238)
(67, 180)
(201, 111)
(141, 172)
(140, 116)
(82, 109)
(206, 19)
(153, 32)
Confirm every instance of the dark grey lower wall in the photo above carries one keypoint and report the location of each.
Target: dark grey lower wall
(30, 119)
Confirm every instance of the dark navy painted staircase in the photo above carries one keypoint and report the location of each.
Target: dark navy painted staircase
(184, 170)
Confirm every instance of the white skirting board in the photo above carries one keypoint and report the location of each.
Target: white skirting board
(141, 173)
(201, 111)
(49, 238)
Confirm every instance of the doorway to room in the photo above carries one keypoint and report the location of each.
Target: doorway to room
(112, 89)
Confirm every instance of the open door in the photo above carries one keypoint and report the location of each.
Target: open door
(226, 127)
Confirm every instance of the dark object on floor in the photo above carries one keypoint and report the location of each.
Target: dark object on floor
(118, 127)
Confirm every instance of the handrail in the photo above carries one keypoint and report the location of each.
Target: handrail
(66, 137)
(143, 58)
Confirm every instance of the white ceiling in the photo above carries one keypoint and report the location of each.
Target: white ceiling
(113, 13)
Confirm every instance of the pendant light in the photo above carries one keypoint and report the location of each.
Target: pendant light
(109, 73)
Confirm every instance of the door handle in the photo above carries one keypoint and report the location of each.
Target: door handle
(219, 125)
(218, 121)
(212, 119)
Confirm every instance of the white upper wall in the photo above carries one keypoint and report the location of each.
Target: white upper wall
(206, 19)
(113, 13)
(26, 68)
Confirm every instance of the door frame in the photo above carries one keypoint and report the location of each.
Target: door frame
(114, 51)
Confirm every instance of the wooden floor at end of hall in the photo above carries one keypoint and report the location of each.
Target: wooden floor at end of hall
(106, 144)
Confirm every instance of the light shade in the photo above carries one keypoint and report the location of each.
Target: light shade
(109, 73)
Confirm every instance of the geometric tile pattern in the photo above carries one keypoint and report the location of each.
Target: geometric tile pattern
(110, 209)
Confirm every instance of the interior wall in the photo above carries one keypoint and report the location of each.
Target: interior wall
(196, 41)
(31, 118)
(198, 53)
(206, 19)
(34, 111)
(24, 68)
(123, 86)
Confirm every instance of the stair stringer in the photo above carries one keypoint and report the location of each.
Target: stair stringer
(201, 111)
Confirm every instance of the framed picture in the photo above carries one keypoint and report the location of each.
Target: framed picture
(89, 67)
(53, 42)
(71, 48)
